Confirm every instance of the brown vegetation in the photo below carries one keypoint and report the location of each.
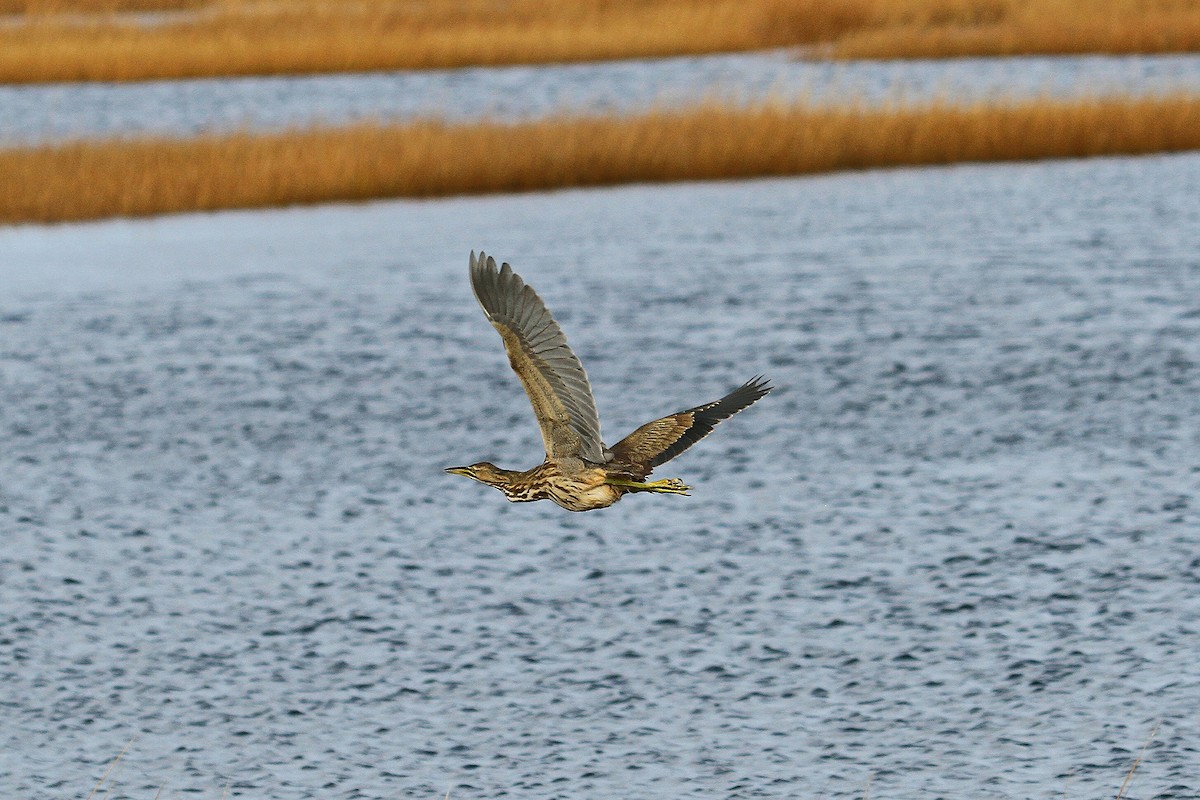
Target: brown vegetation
(237, 37)
(1044, 27)
(82, 7)
(98, 179)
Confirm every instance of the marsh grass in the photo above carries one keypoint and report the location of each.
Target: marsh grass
(63, 8)
(239, 37)
(87, 180)
(97, 41)
(1046, 27)
(1138, 761)
(109, 775)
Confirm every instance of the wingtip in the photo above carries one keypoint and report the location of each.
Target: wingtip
(760, 384)
(477, 263)
(482, 260)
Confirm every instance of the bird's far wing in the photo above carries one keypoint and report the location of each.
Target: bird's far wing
(538, 352)
(659, 441)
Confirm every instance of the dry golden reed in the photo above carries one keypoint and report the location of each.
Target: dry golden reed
(132, 178)
(78, 7)
(241, 37)
(1044, 27)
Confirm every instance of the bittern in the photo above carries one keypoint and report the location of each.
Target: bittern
(580, 473)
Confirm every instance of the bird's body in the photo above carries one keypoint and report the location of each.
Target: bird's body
(580, 472)
(574, 486)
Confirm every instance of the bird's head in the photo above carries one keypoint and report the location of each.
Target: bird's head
(484, 472)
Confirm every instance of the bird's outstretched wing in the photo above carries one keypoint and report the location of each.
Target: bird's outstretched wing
(659, 441)
(538, 352)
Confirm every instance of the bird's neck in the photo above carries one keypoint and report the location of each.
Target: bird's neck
(523, 486)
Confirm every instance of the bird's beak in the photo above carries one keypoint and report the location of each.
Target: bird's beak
(459, 471)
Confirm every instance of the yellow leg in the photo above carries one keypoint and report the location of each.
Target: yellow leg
(664, 486)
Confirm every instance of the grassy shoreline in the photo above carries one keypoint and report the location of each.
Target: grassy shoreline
(94, 40)
(96, 179)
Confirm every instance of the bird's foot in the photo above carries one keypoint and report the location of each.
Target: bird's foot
(664, 486)
(669, 486)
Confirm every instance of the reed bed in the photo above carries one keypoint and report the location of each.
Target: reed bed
(87, 180)
(1047, 27)
(56, 40)
(240, 37)
(76, 7)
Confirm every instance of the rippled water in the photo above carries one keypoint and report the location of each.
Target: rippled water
(955, 554)
(42, 113)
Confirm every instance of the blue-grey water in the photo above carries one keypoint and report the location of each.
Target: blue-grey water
(174, 108)
(955, 554)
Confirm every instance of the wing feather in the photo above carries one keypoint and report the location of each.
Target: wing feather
(537, 349)
(657, 442)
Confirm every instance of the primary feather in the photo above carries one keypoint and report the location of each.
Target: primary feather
(549, 370)
(657, 442)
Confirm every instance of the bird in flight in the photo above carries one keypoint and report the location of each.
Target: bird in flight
(580, 472)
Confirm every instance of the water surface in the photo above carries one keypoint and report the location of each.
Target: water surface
(178, 108)
(955, 554)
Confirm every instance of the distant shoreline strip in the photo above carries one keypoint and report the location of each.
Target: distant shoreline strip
(136, 40)
(140, 177)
